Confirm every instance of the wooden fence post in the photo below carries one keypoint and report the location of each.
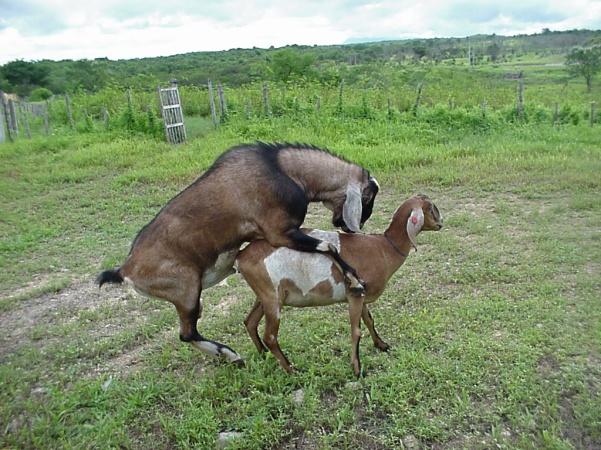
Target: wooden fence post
(212, 104)
(520, 99)
(418, 98)
(266, 106)
(45, 115)
(340, 91)
(222, 103)
(2, 138)
(556, 115)
(12, 114)
(317, 104)
(23, 112)
(69, 112)
(5, 119)
(106, 117)
(483, 108)
(592, 118)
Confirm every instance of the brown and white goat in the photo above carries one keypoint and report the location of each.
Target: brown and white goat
(258, 191)
(283, 277)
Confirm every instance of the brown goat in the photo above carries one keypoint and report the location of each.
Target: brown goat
(282, 276)
(258, 191)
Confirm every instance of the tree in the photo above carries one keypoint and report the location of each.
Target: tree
(585, 62)
(494, 50)
(23, 76)
(287, 63)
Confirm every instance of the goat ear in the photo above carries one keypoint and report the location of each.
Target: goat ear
(414, 225)
(352, 209)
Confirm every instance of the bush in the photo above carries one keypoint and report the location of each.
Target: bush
(40, 94)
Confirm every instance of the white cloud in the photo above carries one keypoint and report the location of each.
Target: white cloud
(59, 29)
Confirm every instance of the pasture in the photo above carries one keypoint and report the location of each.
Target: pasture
(495, 323)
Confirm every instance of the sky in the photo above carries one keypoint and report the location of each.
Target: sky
(78, 29)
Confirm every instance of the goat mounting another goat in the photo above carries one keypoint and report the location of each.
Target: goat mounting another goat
(257, 191)
(280, 276)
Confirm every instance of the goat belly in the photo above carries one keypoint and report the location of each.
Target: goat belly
(223, 268)
(304, 279)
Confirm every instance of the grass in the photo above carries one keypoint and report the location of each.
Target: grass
(494, 323)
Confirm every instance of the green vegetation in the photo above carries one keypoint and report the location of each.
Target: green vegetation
(585, 62)
(323, 64)
(494, 322)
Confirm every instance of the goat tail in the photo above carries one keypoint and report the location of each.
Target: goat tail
(109, 276)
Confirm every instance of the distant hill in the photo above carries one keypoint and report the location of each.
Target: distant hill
(323, 63)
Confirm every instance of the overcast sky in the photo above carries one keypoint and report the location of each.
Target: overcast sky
(74, 29)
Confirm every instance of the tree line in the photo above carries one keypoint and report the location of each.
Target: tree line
(325, 64)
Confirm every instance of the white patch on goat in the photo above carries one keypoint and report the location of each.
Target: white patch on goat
(223, 268)
(305, 270)
(376, 182)
(323, 247)
(211, 348)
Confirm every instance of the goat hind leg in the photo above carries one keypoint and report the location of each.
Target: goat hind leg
(252, 324)
(188, 317)
(369, 322)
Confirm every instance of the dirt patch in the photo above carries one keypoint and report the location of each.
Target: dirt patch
(131, 360)
(52, 308)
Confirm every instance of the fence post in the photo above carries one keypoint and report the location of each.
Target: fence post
(69, 113)
(520, 100)
(106, 117)
(317, 104)
(2, 138)
(418, 98)
(483, 108)
(556, 114)
(5, 113)
(46, 114)
(593, 104)
(222, 103)
(266, 107)
(340, 90)
(23, 112)
(212, 104)
(162, 113)
(13, 117)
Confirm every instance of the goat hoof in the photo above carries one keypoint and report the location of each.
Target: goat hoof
(361, 373)
(239, 363)
(383, 346)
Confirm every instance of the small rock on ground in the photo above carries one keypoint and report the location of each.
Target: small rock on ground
(298, 396)
(226, 437)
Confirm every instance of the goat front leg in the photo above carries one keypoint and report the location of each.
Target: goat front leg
(297, 240)
(355, 308)
(252, 324)
(369, 322)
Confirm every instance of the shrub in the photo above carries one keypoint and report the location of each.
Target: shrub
(40, 94)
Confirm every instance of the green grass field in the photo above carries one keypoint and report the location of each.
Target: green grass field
(495, 323)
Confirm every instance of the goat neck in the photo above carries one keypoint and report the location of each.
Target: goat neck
(319, 173)
(396, 233)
